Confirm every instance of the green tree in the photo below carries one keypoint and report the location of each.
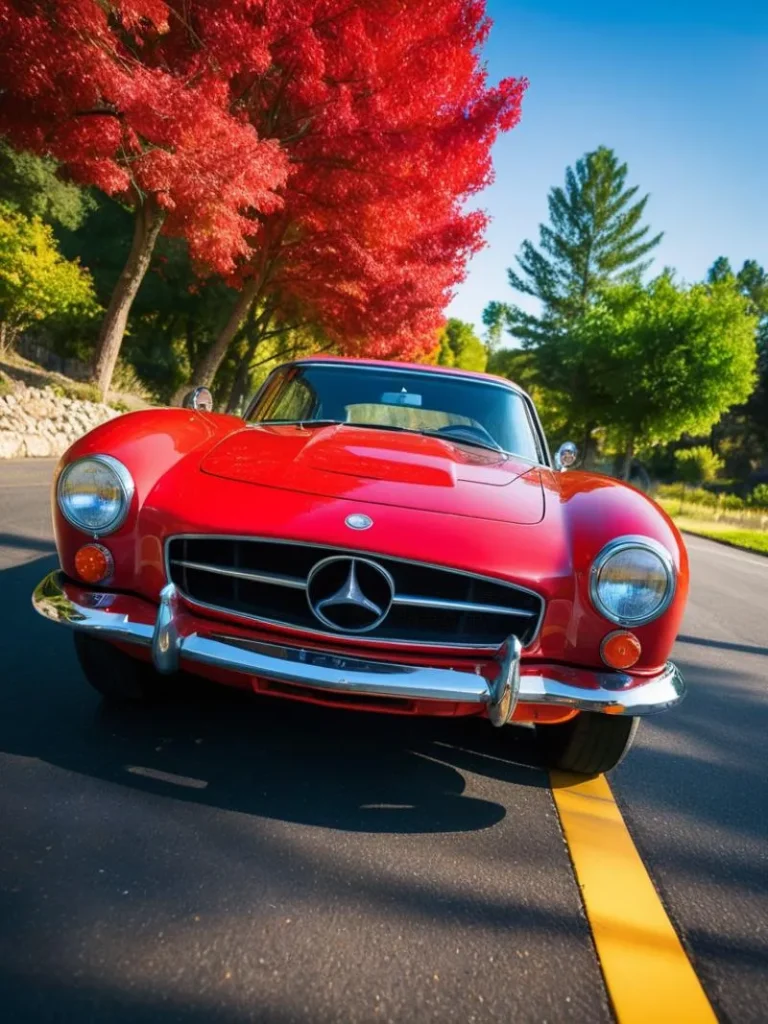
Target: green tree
(29, 184)
(697, 465)
(36, 282)
(595, 236)
(742, 434)
(521, 367)
(460, 346)
(658, 361)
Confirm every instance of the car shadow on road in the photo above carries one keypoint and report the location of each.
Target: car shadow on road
(253, 754)
(722, 645)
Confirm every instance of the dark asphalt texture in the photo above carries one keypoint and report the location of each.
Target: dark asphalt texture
(244, 859)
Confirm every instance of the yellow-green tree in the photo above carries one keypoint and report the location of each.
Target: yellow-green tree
(36, 282)
(460, 347)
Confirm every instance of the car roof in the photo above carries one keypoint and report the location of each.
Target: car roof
(391, 364)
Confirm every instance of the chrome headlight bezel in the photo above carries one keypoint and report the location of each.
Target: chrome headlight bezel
(621, 544)
(124, 481)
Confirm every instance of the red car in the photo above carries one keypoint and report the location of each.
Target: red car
(374, 536)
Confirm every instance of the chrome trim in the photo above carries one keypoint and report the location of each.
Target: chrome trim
(411, 600)
(166, 642)
(332, 672)
(566, 448)
(358, 521)
(352, 552)
(658, 694)
(348, 638)
(244, 574)
(505, 690)
(350, 593)
(200, 399)
(125, 483)
(622, 544)
(459, 606)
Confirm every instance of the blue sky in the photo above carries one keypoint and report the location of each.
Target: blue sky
(678, 89)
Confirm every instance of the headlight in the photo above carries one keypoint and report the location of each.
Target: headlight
(95, 493)
(632, 581)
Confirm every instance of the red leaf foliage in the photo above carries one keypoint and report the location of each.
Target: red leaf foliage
(324, 147)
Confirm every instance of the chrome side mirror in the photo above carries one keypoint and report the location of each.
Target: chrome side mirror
(199, 399)
(566, 456)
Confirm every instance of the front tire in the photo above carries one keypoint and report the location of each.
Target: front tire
(116, 675)
(588, 744)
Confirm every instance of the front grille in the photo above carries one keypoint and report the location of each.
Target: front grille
(268, 580)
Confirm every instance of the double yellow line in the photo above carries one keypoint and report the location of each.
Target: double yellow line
(648, 975)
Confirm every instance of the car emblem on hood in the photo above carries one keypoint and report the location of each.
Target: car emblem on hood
(358, 521)
(351, 595)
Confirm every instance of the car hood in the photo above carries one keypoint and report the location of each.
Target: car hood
(382, 467)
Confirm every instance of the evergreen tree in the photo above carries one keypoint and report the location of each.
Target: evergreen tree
(595, 237)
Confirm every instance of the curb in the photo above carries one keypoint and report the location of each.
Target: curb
(725, 543)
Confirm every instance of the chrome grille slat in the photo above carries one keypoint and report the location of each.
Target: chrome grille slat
(411, 601)
(266, 581)
(273, 579)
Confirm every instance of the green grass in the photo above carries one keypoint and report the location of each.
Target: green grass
(749, 540)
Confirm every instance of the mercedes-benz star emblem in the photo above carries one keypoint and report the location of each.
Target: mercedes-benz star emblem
(358, 521)
(351, 595)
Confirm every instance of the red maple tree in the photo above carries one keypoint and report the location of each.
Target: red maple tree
(316, 152)
(387, 118)
(86, 81)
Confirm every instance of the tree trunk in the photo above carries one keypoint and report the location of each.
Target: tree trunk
(629, 456)
(149, 221)
(243, 373)
(205, 371)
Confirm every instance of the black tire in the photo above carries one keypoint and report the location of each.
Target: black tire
(588, 744)
(117, 676)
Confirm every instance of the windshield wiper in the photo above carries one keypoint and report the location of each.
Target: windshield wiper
(487, 445)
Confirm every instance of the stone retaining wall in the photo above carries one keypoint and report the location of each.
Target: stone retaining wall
(36, 422)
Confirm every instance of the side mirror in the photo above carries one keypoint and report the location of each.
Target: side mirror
(200, 399)
(566, 456)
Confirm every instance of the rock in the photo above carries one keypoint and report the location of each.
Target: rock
(36, 422)
(11, 446)
(36, 446)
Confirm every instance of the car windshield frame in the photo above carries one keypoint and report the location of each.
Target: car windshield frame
(537, 435)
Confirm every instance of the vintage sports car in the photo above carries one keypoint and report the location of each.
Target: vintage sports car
(374, 536)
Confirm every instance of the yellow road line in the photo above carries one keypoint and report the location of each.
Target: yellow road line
(647, 972)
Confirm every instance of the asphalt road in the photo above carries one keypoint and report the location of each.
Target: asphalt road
(240, 859)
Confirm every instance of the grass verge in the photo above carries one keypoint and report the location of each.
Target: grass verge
(748, 540)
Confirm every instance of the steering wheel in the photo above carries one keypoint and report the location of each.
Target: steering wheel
(475, 430)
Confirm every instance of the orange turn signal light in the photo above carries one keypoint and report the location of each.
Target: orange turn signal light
(94, 563)
(620, 650)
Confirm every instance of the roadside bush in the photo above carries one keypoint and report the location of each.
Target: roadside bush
(698, 465)
(688, 495)
(730, 501)
(127, 380)
(6, 387)
(698, 496)
(759, 496)
(73, 389)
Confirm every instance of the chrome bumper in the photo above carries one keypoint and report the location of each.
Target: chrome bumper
(174, 636)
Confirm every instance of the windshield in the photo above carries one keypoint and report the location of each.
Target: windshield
(458, 409)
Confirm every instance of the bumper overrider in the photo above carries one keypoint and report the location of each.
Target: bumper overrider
(175, 636)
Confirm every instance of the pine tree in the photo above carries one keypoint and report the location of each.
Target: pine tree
(595, 237)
